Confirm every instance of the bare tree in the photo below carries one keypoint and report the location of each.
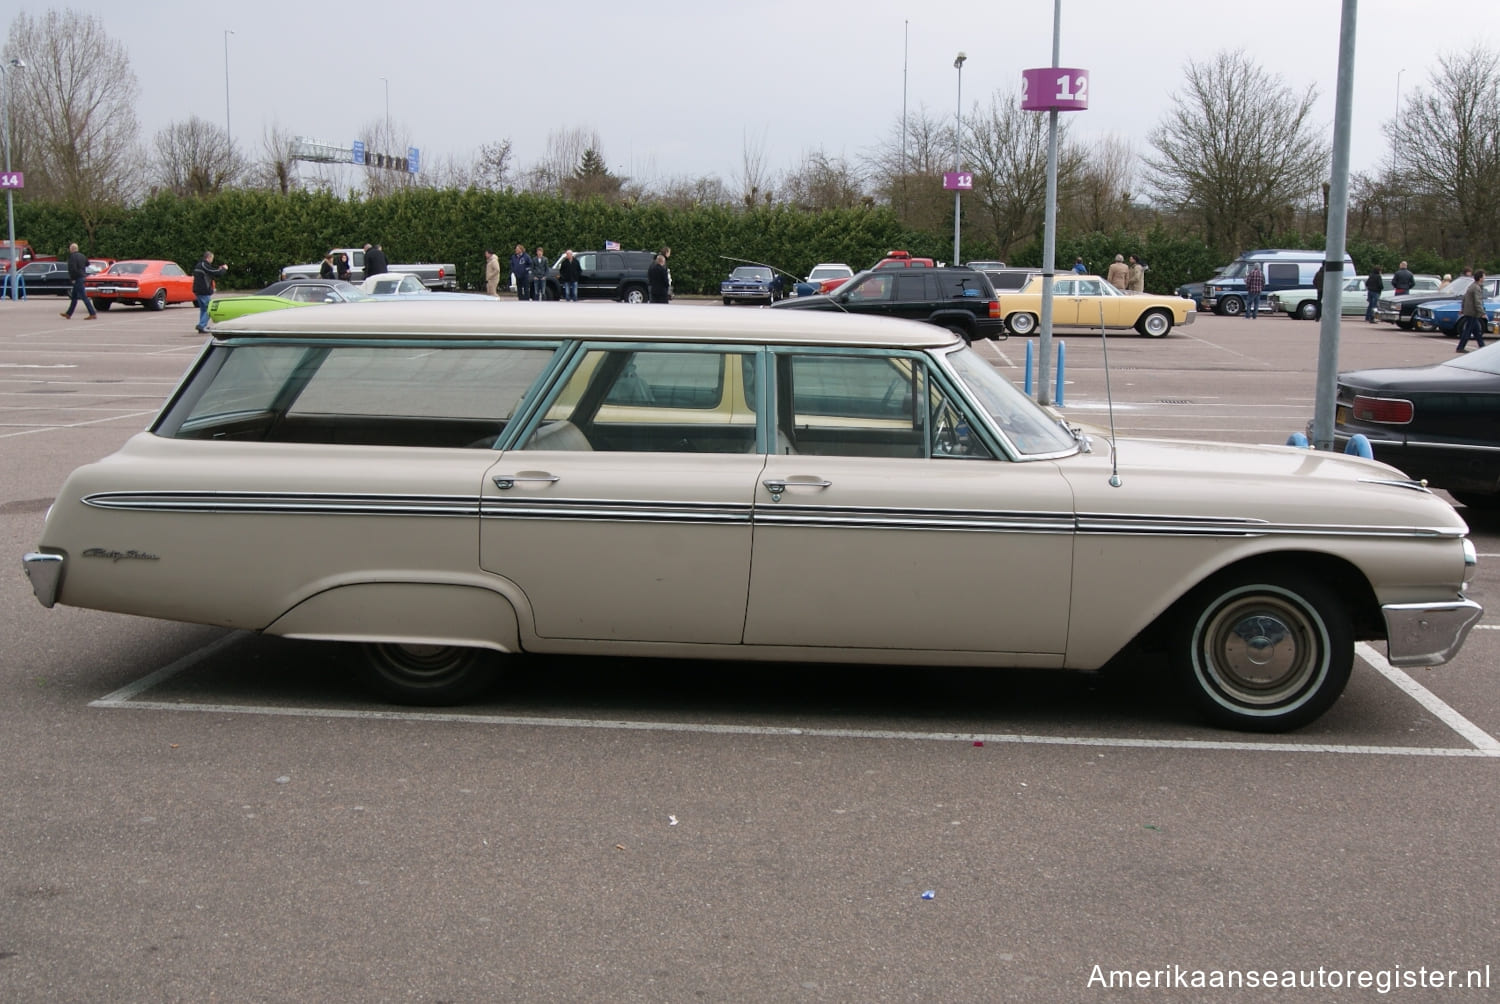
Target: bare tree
(276, 170)
(73, 111)
(686, 193)
(910, 181)
(822, 182)
(1007, 150)
(1100, 197)
(492, 166)
(195, 158)
(564, 153)
(1447, 149)
(1236, 149)
(754, 179)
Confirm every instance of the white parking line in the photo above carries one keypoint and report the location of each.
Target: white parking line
(1483, 745)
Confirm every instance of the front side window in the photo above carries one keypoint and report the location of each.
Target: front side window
(630, 400)
(874, 288)
(868, 405)
(1029, 429)
(433, 396)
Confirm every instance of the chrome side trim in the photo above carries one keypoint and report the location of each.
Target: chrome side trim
(609, 510)
(1428, 634)
(284, 502)
(45, 573)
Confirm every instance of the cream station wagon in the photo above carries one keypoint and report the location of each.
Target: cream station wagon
(449, 483)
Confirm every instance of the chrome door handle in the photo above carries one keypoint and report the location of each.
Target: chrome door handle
(504, 482)
(776, 486)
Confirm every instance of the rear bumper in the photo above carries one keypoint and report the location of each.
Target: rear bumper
(1428, 634)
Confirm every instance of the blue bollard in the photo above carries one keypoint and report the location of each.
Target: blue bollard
(1028, 369)
(1062, 361)
(1359, 445)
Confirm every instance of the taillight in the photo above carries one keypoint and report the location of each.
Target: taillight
(441, 272)
(1384, 410)
(994, 308)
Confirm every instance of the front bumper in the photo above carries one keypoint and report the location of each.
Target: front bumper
(1428, 634)
(745, 294)
(45, 572)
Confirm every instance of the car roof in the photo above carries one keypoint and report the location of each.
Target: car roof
(439, 319)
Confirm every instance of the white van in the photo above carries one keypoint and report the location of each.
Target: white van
(1283, 269)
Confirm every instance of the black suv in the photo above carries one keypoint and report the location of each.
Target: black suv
(960, 299)
(607, 275)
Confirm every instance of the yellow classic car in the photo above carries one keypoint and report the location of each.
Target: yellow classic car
(1087, 301)
(453, 486)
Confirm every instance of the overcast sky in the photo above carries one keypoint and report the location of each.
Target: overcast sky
(679, 88)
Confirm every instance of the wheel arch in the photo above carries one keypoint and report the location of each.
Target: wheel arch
(410, 613)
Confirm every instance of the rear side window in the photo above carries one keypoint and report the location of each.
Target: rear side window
(1284, 274)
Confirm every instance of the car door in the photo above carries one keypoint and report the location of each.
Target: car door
(884, 521)
(1065, 308)
(624, 512)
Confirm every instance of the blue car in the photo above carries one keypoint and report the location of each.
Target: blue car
(1442, 315)
(757, 283)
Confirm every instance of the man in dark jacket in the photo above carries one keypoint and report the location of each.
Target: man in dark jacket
(1403, 280)
(1472, 319)
(659, 280)
(1374, 286)
(375, 262)
(78, 268)
(204, 275)
(568, 274)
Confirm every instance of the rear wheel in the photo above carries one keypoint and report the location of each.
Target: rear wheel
(1263, 650)
(1156, 324)
(635, 294)
(157, 302)
(1021, 324)
(428, 674)
(103, 304)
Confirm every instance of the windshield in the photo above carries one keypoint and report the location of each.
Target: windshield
(1028, 427)
(751, 272)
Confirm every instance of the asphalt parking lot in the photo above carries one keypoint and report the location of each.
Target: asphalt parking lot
(194, 814)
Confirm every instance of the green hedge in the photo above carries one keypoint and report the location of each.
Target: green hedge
(258, 232)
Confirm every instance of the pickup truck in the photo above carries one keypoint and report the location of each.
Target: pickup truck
(25, 255)
(432, 276)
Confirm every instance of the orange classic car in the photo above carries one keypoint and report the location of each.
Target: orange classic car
(150, 282)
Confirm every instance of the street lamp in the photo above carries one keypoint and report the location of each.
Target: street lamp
(10, 216)
(958, 132)
(227, 134)
(387, 109)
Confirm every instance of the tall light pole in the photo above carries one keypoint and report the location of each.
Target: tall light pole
(958, 134)
(227, 134)
(10, 216)
(1397, 124)
(387, 110)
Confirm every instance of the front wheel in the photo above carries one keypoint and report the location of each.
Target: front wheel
(1308, 310)
(1021, 324)
(158, 301)
(1156, 324)
(635, 294)
(1231, 306)
(430, 675)
(1263, 651)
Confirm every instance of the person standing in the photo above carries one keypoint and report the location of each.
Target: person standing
(204, 275)
(341, 265)
(1318, 288)
(539, 269)
(658, 281)
(1079, 267)
(1374, 286)
(568, 273)
(327, 269)
(78, 269)
(1472, 320)
(1255, 281)
(376, 262)
(520, 271)
(1403, 280)
(1118, 275)
(1137, 283)
(492, 273)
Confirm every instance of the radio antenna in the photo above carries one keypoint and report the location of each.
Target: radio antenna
(1109, 400)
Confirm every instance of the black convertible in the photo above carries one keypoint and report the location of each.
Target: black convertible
(1440, 422)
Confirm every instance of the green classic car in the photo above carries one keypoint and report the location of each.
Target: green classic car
(287, 293)
(1302, 304)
